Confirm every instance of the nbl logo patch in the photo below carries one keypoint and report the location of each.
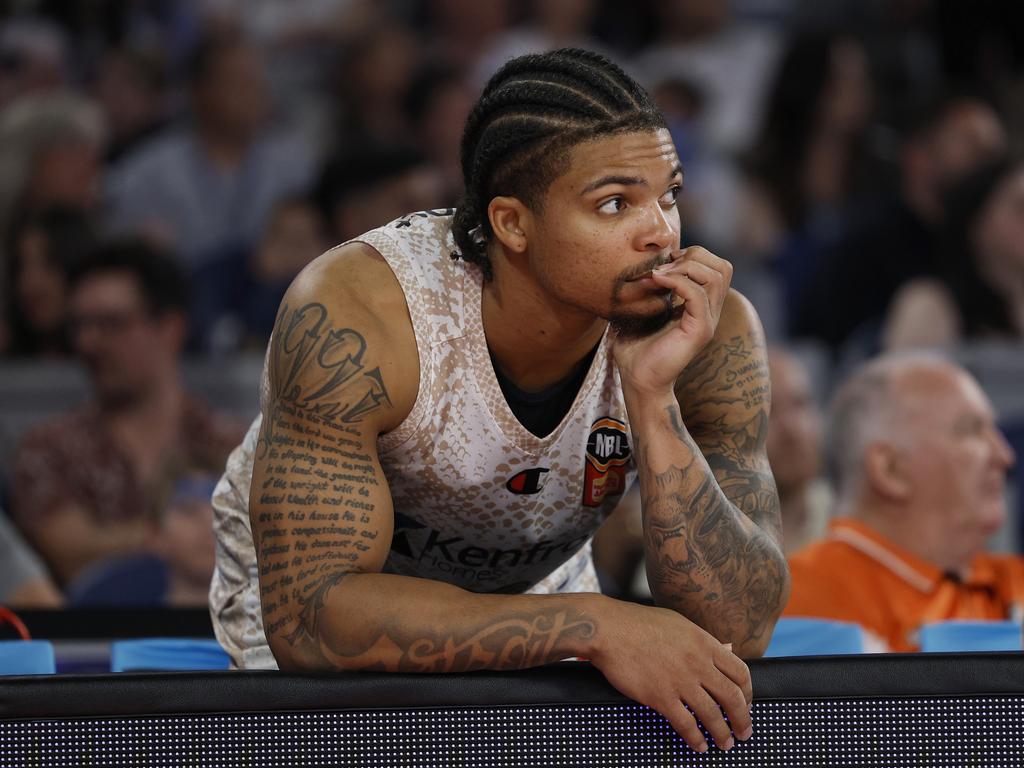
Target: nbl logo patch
(607, 456)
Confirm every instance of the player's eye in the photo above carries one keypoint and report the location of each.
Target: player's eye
(612, 205)
(670, 198)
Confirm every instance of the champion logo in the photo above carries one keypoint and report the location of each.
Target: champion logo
(528, 481)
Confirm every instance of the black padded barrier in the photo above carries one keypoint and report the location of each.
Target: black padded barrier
(936, 710)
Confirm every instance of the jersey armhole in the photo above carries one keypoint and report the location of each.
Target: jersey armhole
(407, 274)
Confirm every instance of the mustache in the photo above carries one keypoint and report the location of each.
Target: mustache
(645, 270)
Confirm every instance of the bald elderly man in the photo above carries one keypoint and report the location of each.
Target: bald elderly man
(920, 468)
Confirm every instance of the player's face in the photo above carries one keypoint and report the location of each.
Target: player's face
(607, 220)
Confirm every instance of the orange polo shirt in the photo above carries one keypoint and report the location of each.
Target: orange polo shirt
(854, 574)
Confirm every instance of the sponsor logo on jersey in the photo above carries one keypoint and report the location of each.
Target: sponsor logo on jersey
(464, 561)
(607, 457)
(400, 539)
(528, 481)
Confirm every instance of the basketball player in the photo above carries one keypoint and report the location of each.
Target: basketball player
(440, 436)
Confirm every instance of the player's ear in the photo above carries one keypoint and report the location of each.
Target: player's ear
(510, 222)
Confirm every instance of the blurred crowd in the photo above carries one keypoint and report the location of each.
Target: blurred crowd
(167, 167)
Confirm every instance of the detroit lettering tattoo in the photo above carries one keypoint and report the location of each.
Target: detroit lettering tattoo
(510, 642)
(320, 369)
(514, 641)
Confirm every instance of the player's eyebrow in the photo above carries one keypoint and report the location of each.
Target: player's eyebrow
(626, 181)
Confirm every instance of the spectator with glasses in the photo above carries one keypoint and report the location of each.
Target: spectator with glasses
(85, 482)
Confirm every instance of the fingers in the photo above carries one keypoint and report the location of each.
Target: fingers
(712, 282)
(704, 256)
(709, 713)
(719, 701)
(709, 282)
(700, 280)
(733, 701)
(732, 666)
(695, 682)
(684, 724)
(697, 255)
(696, 302)
(706, 709)
(704, 268)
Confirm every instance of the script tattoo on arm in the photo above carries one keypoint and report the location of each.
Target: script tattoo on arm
(322, 517)
(318, 486)
(509, 640)
(727, 575)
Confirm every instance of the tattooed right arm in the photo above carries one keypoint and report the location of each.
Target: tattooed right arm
(342, 370)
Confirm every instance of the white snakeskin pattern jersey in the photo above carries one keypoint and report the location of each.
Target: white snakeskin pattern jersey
(479, 501)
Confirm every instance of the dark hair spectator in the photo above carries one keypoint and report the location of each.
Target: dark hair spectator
(978, 291)
(946, 136)
(462, 32)
(812, 139)
(42, 249)
(162, 283)
(847, 298)
(546, 26)
(976, 252)
(437, 103)
(85, 481)
(811, 168)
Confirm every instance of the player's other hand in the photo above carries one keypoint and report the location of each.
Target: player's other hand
(658, 658)
(699, 282)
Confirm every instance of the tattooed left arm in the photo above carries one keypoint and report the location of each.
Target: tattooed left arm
(712, 529)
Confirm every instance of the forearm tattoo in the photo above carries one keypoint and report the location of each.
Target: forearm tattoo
(513, 641)
(733, 376)
(315, 519)
(726, 576)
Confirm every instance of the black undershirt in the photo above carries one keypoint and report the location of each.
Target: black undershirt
(540, 412)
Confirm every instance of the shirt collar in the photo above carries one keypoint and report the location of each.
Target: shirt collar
(920, 574)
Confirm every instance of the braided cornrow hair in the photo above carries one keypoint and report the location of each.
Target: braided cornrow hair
(518, 136)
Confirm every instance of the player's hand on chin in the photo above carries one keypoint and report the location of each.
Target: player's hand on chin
(699, 282)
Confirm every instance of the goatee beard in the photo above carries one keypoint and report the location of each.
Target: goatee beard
(629, 326)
